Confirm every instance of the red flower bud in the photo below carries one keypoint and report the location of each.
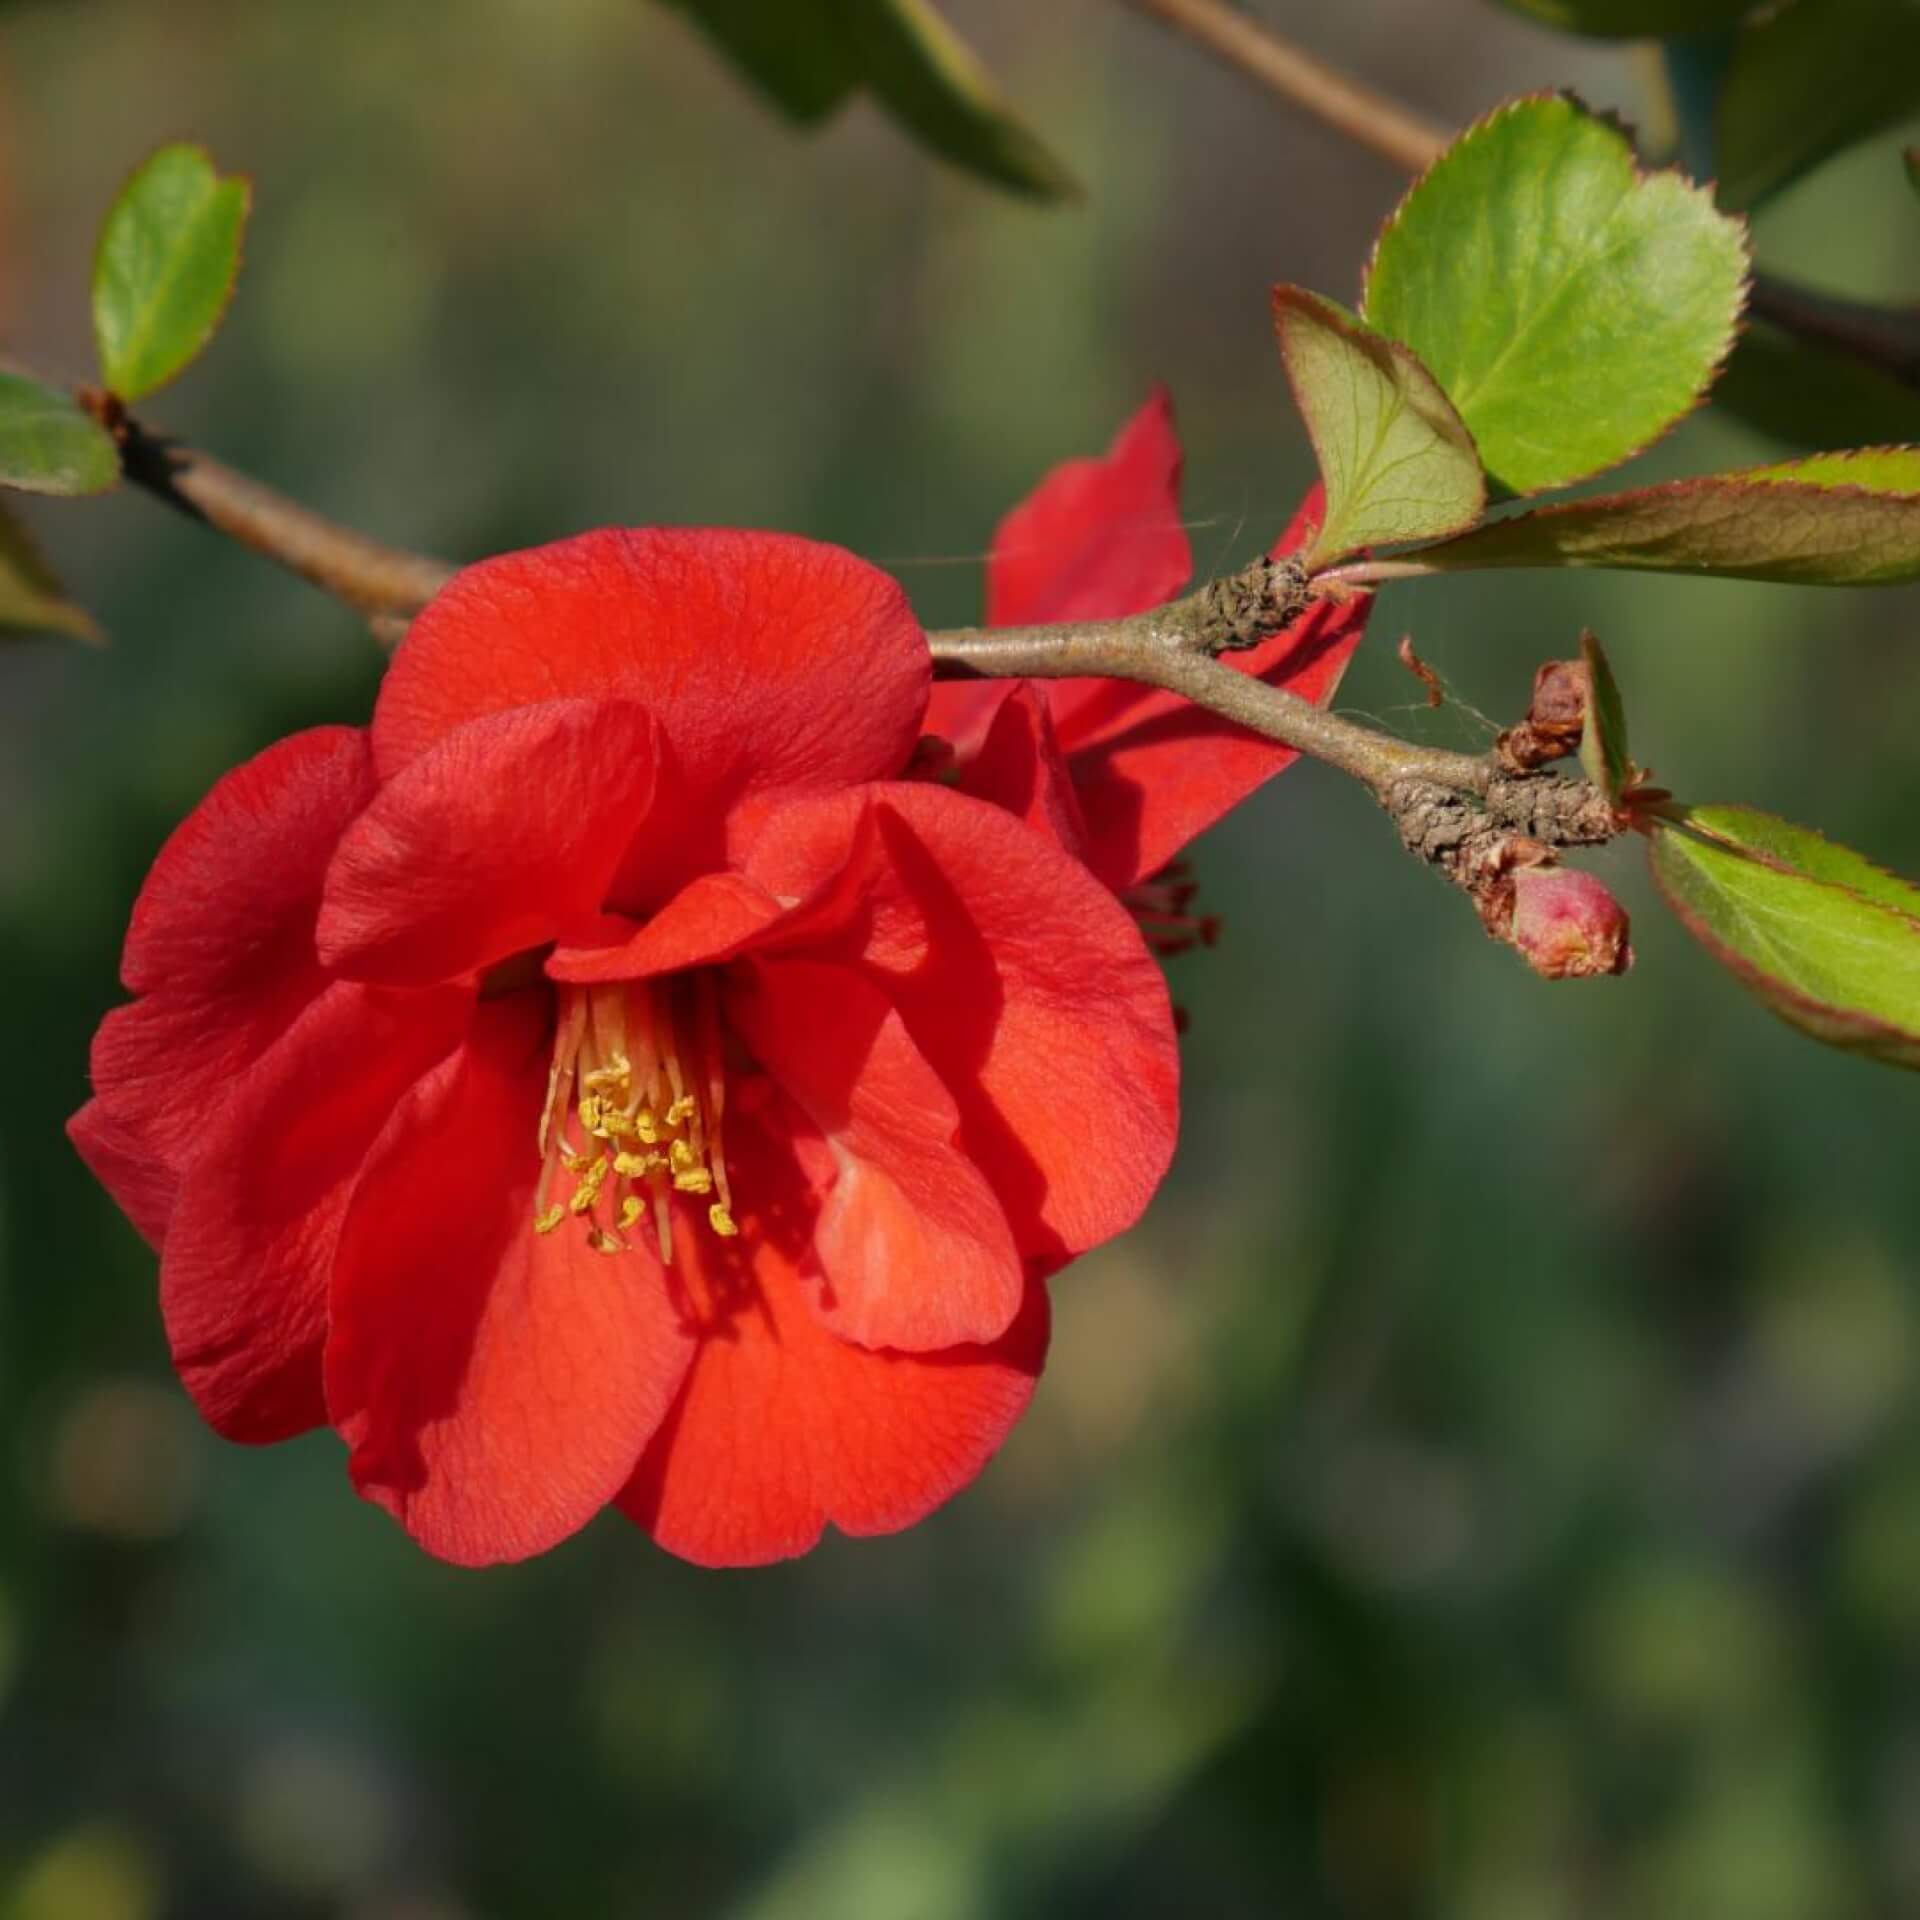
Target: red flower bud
(1566, 924)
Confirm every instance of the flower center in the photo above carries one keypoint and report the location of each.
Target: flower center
(637, 1065)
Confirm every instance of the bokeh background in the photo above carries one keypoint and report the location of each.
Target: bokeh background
(1487, 1487)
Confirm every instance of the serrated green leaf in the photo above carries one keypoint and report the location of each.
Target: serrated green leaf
(809, 55)
(1572, 307)
(1603, 739)
(164, 271)
(1826, 940)
(1808, 79)
(1633, 19)
(1814, 396)
(792, 51)
(48, 445)
(1834, 519)
(30, 597)
(1395, 458)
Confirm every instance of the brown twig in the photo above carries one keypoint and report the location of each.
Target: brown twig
(1882, 336)
(1367, 118)
(374, 579)
(1165, 649)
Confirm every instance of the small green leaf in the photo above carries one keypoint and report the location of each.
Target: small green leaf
(165, 268)
(1808, 79)
(1603, 740)
(1833, 519)
(810, 55)
(1572, 307)
(1634, 19)
(1397, 462)
(30, 597)
(48, 445)
(1825, 939)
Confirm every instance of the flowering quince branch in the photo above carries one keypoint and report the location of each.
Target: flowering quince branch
(1173, 646)
(635, 1071)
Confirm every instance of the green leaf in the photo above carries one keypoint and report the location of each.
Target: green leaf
(1814, 396)
(790, 51)
(1633, 19)
(30, 597)
(165, 268)
(1825, 939)
(930, 81)
(810, 55)
(1833, 519)
(1603, 740)
(1808, 79)
(1572, 307)
(48, 445)
(1397, 462)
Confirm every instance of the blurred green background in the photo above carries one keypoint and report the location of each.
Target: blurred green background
(1488, 1486)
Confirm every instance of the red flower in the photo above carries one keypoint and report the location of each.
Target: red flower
(1122, 774)
(604, 1079)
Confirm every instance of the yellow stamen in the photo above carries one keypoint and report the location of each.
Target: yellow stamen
(642, 1064)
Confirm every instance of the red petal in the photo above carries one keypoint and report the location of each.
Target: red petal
(769, 661)
(1019, 766)
(501, 836)
(243, 1285)
(1023, 982)
(221, 943)
(1097, 537)
(1154, 771)
(707, 921)
(914, 1247)
(143, 1188)
(781, 1428)
(496, 1386)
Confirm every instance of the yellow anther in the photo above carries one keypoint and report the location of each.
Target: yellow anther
(682, 1110)
(615, 1125)
(546, 1222)
(631, 1209)
(633, 1165)
(646, 1126)
(680, 1157)
(611, 1075)
(603, 1242)
(577, 1162)
(721, 1221)
(696, 1180)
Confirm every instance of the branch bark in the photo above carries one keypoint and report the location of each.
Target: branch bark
(374, 579)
